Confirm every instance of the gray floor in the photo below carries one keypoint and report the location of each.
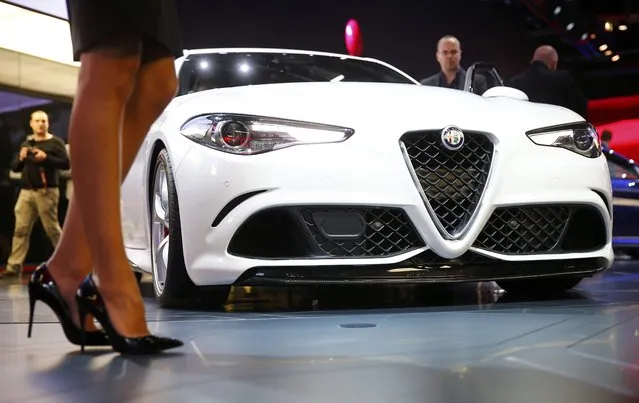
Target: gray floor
(468, 343)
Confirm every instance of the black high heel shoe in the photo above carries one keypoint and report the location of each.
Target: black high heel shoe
(90, 302)
(42, 288)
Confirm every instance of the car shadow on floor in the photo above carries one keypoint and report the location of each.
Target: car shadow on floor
(461, 296)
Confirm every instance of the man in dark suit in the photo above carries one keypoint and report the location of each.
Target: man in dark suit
(543, 83)
(451, 74)
(448, 55)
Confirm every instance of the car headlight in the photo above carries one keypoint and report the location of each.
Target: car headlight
(248, 135)
(581, 138)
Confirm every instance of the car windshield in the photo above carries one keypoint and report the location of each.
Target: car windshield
(220, 70)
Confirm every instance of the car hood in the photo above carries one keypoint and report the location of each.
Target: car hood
(357, 105)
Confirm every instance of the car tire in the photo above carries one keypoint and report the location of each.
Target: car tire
(172, 285)
(539, 286)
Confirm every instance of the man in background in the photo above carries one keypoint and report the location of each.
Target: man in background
(543, 83)
(40, 160)
(452, 74)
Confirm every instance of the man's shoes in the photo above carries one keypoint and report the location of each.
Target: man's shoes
(9, 274)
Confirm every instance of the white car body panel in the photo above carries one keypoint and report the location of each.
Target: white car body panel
(377, 174)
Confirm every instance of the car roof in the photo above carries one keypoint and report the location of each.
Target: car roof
(187, 52)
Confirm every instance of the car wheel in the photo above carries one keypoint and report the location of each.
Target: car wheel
(539, 286)
(170, 287)
(171, 283)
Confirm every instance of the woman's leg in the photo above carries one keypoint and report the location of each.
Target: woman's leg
(106, 81)
(155, 85)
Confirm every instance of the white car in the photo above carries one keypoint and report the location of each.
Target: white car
(285, 167)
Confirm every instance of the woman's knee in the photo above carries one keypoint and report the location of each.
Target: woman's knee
(158, 82)
(112, 67)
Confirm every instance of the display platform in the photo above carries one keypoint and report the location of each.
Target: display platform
(463, 343)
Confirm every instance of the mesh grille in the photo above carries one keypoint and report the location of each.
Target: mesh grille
(530, 229)
(388, 231)
(453, 181)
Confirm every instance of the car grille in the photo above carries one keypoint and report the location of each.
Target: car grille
(452, 181)
(529, 229)
(386, 231)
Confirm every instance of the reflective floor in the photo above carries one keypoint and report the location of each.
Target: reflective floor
(463, 343)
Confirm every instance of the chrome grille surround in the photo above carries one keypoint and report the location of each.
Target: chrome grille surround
(451, 182)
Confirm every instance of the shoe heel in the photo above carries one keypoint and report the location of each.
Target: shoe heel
(90, 301)
(83, 314)
(32, 302)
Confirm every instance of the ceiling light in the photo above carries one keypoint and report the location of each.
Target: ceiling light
(570, 26)
(47, 37)
(615, 58)
(557, 10)
(608, 52)
(603, 47)
(623, 27)
(608, 26)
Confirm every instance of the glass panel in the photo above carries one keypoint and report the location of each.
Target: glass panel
(216, 70)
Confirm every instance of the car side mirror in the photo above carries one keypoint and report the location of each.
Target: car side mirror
(507, 92)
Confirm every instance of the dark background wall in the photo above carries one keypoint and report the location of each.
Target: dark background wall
(402, 32)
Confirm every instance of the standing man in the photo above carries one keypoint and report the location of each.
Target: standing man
(452, 74)
(543, 83)
(448, 55)
(40, 159)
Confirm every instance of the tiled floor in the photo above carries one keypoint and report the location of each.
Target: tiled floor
(468, 343)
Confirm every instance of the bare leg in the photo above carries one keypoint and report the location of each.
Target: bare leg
(155, 86)
(106, 81)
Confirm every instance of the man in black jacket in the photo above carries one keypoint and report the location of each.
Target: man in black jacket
(40, 159)
(452, 74)
(448, 55)
(543, 83)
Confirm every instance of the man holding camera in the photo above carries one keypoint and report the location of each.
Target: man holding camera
(40, 159)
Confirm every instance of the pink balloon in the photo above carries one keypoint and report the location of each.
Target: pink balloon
(353, 38)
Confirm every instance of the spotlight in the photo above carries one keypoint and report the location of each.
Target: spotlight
(557, 10)
(615, 58)
(608, 26)
(570, 26)
(622, 27)
(584, 36)
(603, 47)
(608, 52)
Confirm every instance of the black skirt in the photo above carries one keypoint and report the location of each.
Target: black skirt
(93, 22)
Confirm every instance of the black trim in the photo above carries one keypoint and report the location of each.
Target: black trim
(560, 127)
(605, 201)
(232, 204)
(583, 229)
(444, 272)
(289, 232)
